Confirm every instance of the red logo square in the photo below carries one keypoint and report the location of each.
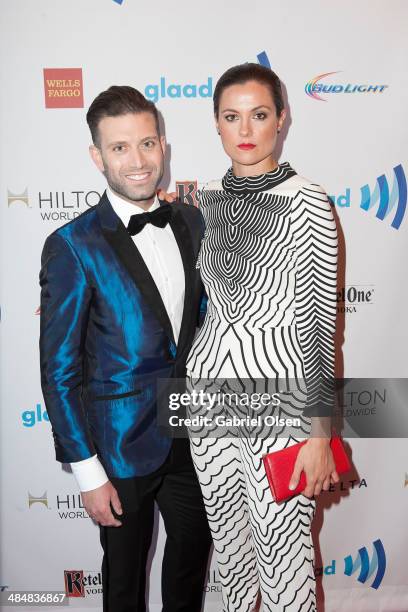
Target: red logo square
(74, 583)
(63, 88)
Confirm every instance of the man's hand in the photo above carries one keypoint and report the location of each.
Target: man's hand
(315, 458)
(98, 505)
(167, 197)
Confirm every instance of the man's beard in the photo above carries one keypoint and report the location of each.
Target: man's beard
(141, 194)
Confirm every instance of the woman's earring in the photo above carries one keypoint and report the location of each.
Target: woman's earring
(278, 131)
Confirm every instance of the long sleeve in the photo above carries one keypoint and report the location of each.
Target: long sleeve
(315, 235)
(89, 473)
(65, 300)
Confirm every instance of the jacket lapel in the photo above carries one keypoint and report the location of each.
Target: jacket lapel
(182, 235)
(122, 244)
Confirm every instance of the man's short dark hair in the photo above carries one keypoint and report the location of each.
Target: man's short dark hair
(115, 101)
(241, 74)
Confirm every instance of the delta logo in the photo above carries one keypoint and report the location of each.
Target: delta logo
(364, 567)
(164, 89)
(314, 87)
(388, 198)
(63, 88)
(80, 583)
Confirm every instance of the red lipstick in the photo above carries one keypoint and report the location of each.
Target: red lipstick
(246, 146)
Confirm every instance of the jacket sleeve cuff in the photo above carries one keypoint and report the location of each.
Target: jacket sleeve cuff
(89, 474)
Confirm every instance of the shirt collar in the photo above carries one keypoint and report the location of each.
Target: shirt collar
(125, 209)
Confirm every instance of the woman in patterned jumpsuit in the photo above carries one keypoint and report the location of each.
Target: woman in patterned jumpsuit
(268, 263)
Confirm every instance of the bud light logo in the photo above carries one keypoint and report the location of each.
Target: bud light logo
(367, 568)
(390, 203)
(313, 87)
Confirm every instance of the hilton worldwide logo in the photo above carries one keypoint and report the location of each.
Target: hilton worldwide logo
(12, 198)
(43, 499)
(57, 206)
(68, 505)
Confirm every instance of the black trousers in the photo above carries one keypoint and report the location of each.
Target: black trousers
(174, 486)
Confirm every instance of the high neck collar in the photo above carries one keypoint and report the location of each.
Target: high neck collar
(245, 185)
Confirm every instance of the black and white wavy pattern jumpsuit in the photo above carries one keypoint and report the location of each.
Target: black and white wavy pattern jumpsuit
(268, 262)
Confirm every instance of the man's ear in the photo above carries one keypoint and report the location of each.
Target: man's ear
(96, 157)
(163, 144)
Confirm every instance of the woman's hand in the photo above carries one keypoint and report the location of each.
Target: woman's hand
(315, 458)
(167, 197)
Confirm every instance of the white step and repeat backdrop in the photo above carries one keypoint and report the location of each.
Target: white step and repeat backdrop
(343, 65)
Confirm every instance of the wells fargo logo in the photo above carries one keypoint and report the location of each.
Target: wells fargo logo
(63, 88)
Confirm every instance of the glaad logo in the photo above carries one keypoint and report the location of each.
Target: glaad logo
(155, 92)
(386, 200)
(263, 59)
(382, 197)
(313, 87)
(30, 418)
(18, 197)
(362, 563)
(174, 90)
(38, 500)
(367, 568)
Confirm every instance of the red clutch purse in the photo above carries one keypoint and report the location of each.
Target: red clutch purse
(279, 466)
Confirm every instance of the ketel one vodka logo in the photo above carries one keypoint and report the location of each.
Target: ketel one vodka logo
(80, 583)
(351, 297)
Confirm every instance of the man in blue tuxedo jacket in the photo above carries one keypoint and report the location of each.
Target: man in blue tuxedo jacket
(119, 307)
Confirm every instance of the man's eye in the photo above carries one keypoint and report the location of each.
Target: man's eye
(149, 144)
(261, 116)
(118, 148)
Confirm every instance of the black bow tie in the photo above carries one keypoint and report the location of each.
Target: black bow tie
(159, 217)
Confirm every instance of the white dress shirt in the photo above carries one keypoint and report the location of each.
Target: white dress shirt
(161, 254)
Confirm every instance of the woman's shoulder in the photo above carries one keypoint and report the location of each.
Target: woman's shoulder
(298, 184)
(214, 185)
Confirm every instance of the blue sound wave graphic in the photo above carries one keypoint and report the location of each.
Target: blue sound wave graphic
(263, 59)
(367, 568)
(387, 201)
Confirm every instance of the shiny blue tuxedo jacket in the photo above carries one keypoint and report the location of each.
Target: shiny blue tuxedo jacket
(106, 338)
